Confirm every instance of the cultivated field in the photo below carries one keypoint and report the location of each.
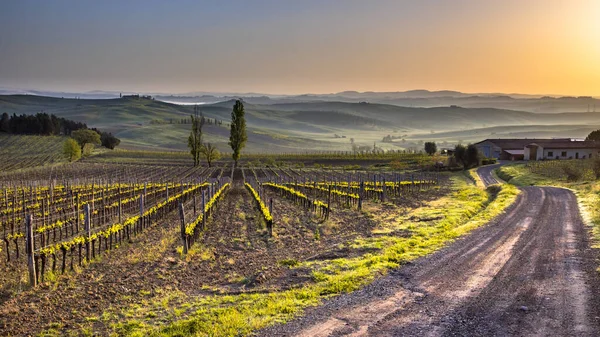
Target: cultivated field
(150, 245)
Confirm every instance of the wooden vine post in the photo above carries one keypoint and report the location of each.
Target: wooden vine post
(194, 197)
(30, 250)
(88, 230)
(203, 210)
(360, 195)
(328, 204)
(77, 213)
(270, 222)
(141, 211)
(183, 235)
(120, 210)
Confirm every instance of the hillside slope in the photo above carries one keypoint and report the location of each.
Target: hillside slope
(292, 127)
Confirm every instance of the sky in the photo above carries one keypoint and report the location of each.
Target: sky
(293, 47)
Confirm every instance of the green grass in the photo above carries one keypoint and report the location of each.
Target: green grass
(467, 208)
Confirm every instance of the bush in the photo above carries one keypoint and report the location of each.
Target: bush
(71, 150)
(88, 148)
(270, 162)
(573, 173)
(596, 168)
(109, 141)
(488, 161)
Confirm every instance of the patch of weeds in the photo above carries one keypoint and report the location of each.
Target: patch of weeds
(289, 262)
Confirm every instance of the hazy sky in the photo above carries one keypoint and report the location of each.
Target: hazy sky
(526, 46)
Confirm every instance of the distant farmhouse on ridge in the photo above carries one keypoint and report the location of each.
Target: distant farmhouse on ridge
(538, 149)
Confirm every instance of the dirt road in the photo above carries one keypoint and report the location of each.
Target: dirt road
(530, 272)
(485, 173)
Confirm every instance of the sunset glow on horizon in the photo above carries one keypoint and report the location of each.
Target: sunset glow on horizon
(529, 47)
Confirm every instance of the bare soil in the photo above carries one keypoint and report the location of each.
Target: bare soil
(236, 255)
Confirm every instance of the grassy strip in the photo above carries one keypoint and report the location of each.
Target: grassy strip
(467, 208)
(587, 192)
(473, 175)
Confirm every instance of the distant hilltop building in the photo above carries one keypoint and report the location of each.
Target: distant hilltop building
(538, 149)
(137, 96)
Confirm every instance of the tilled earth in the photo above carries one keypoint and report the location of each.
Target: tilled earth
(233, 255)
(531, 271)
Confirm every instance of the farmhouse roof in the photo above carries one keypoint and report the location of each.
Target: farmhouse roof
(558, 143)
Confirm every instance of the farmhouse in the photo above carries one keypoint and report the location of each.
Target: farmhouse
(538, 149)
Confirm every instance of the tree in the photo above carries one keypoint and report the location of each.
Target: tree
(354, 146)
(71, 149)
(430, 148)
(195, 138)
(460, 153)
(472, 155)
(237, 135)
(5, 123)
(594, 136)
(85, 136)
(109, 141)
(210, 153)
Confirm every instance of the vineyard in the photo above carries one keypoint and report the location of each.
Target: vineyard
(152, 225)
(18, 152)
(570, 170)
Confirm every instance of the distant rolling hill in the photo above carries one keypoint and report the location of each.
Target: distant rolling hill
(301, 126)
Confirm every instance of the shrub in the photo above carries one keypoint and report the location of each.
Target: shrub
(88, 148)
(71, 150)
(573, 173)
(596, 168)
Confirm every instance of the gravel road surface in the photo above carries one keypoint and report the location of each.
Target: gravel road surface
(530, 272)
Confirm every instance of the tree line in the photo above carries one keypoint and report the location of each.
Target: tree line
(38, 124)
(44, 124)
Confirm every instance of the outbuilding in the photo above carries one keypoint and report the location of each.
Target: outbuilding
(538, 149)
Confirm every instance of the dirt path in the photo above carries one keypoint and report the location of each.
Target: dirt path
(485, 173)
(529, 272)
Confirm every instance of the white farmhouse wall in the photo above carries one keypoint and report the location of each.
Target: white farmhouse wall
(571, 153)
(539, 155)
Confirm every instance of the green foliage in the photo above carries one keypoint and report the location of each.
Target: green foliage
(460, 153)
(473, 155)
(109, 141)
(71, 150)
(5, 123)
(488, 161)
(467, 156)
(85, 136)
(594, 135)
(573, 173)
(237, 136)
(596, 168)
(87, 150)
(195, 138)
(210, 153)
(289, 262)
(430, 148)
